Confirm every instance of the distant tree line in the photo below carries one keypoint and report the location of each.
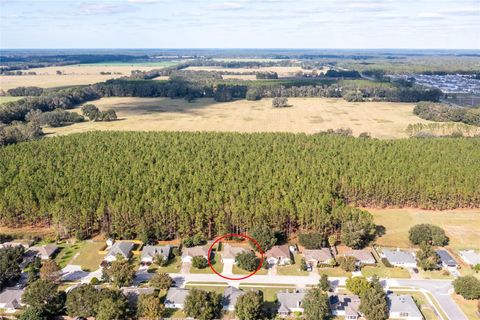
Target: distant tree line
(443, 112)
(170, 184)
(25, 91)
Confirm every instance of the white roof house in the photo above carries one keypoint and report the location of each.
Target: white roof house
(123, 249)
(403, 307)
(470, 257)
(290, 302)
(189, 253)
(175, 298)
(363, 257)
(150, 252)
(230, 297)
(230, 252)
(280, 255)
(11, 300)
(400, 258)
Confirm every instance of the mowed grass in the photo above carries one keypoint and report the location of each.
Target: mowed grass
(81, 74)
(67, 252)
(307, 115)
(384, 272)
(89, 257)
(461, 226)
(4, 99)
(174, 265)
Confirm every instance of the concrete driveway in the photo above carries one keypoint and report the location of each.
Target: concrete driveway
(227, 267)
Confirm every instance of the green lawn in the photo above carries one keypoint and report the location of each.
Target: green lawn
(4, 99)
(269, 294)
(174, 265)
(217, 265)
(217, 289)
(384, 272)
(422, 301)
(435, 274)
(89, 257)
(237, 270)
(67, 252)
(334, 272)
(292, 269)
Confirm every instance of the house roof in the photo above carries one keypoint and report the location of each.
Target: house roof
(46, 250)
(230, 296)
(323, 254)
(290, 300)
(446, 258)
(121, 248)
(195, 251)
(133, 293)
(349, 303)
(399, 256)
(360, 255)
(470, 256)
(230, 252)
(403, 303)
(11, 298)
(278, 251)
(176, 296)
(152, 251)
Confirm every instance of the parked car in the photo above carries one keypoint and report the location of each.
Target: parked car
(415, 270)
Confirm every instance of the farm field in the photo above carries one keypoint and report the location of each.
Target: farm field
(282, 71)
(81, 74)
(461, 226)
(384, 120)
(4, 99)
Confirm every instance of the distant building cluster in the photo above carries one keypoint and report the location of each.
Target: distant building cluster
(450, 83)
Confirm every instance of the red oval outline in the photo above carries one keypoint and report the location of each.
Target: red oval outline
(235, 235)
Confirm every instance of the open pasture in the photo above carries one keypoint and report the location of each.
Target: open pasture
(307, 115)
(461, 226)
(82, 74)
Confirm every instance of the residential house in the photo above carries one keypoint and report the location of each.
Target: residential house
(403, 307)
(470, 257)
(175, 298)
(345, 305)
(134, 293)
(363, 257)
(44, 252)
(17, 243)
(230, 252)
(399, 258)
(446, 260)
(189, 253)
(123, 249)
(11, 300)
(290, 302)
(230, 297)
(279, 255)
(149, 253)
(317, 256)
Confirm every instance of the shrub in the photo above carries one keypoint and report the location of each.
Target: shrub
(347, 263)
(468, 287)
(247, 261)
(199, 262)
(427, 233)
(386, 263)
(280, 102)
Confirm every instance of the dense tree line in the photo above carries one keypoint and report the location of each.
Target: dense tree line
(25, 91)
(19, 132)
(342, 74)
(171, 184)
(55, 118)
(443, 112)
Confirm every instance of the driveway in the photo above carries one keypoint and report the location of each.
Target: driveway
(227, 268)
(186, 268)
(73, 273)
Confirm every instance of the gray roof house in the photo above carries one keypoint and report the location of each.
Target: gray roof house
(346, 305)
(11, 300)
(175, 298)
(44, 252)
(279, 255)
(400, 258)
(290, 302)
(230, 297)
(150, 252)
(230, 252)
(189, 253)
(470, 257)
(119, 248)
(446, 259)
(315, 257)
(403, 307)
(133, 293)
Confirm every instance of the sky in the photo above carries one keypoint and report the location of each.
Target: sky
(416, 24)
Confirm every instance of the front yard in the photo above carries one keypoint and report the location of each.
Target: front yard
(435, 274)
(174, 265)
(237, 270)
(334, 272)
(67, 252)
(89, 257)
(292, 269)
(384, 272)
(216, 264)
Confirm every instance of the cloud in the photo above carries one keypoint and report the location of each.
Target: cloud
(227, 6)
(143, 1)
(465, 11)
(430, 15)
(92, 8)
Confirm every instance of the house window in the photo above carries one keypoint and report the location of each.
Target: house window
(404, 314)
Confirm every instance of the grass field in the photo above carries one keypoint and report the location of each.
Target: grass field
(67, 252)
(72, 75)
(237, 270)
(334, 272)
(292, 269)
(174, 265)
(384, 272)
(88, 257)
(4, 99)
(307, 115)
(461, 226)
(281, 71)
